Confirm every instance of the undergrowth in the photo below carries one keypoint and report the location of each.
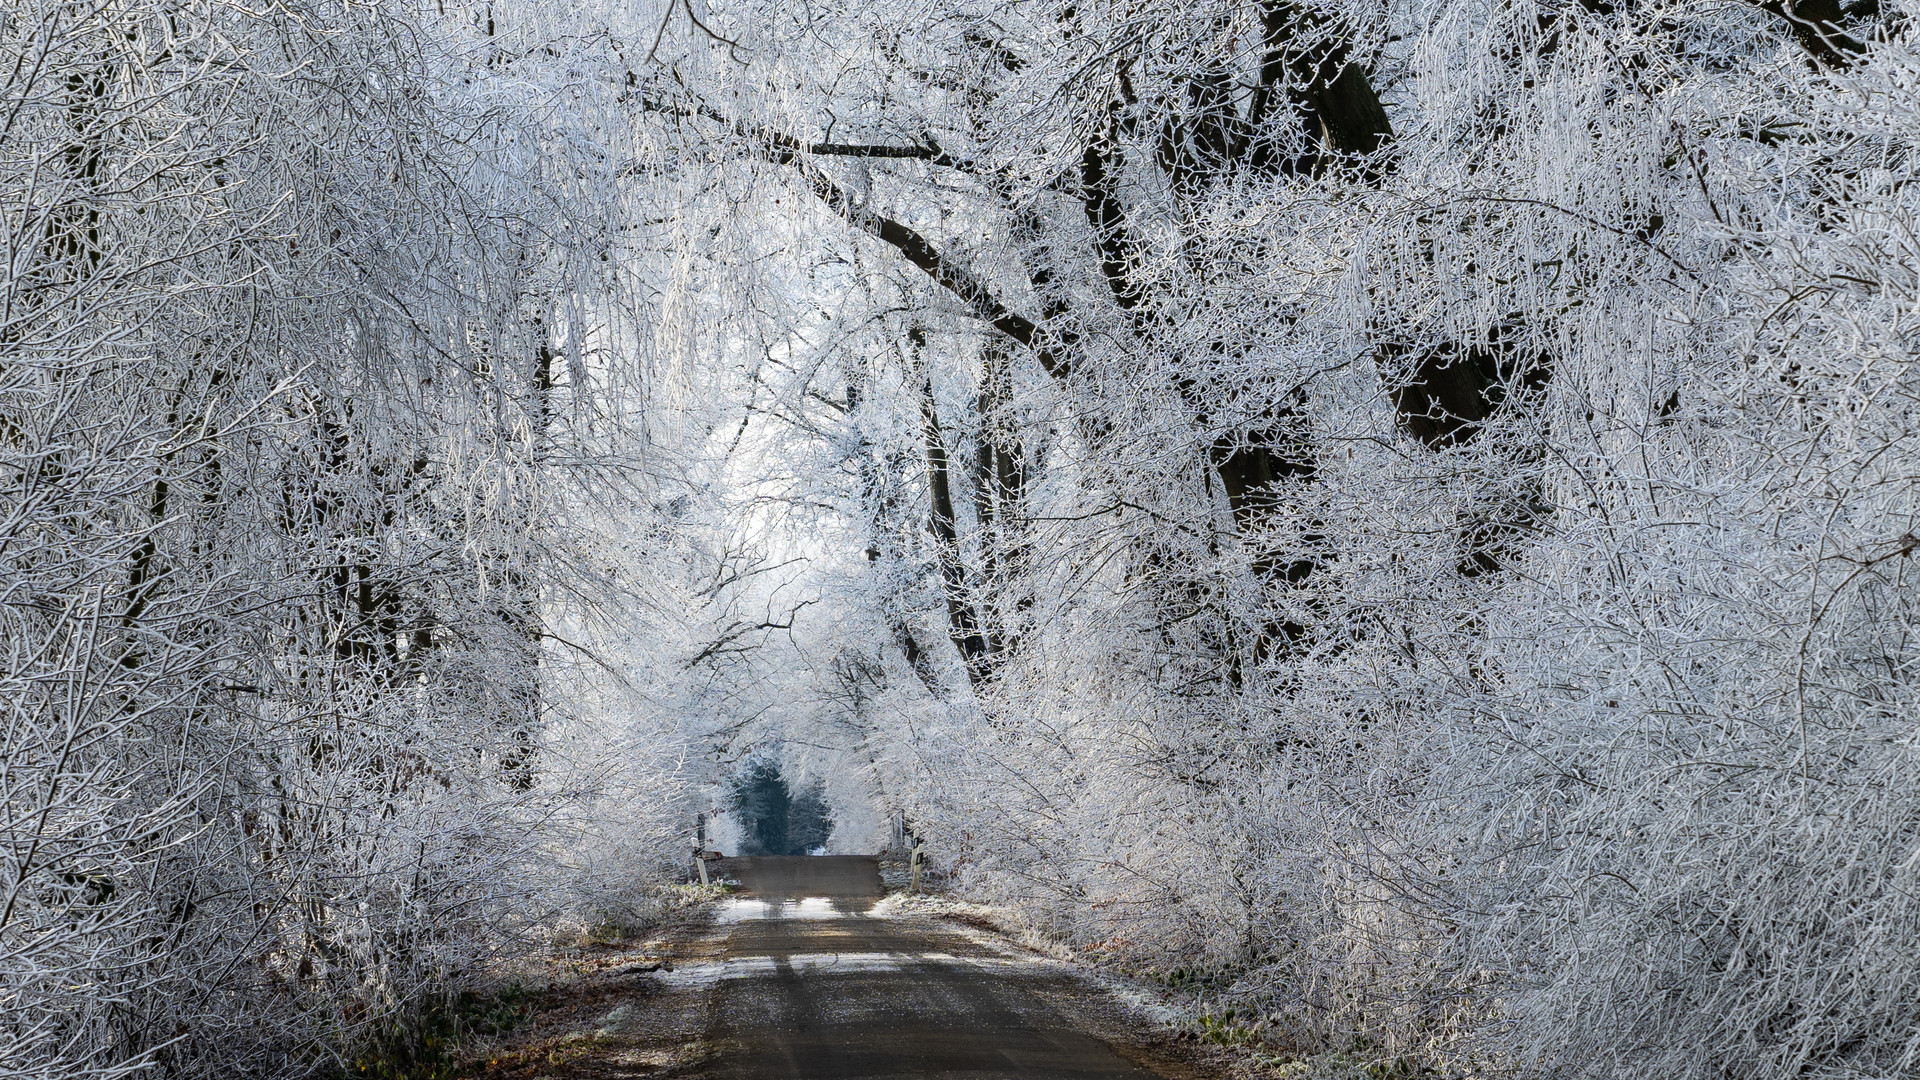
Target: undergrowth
(428, 1047)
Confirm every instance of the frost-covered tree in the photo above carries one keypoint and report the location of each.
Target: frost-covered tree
(314, 361)
(1395, 510)
(1305, 426)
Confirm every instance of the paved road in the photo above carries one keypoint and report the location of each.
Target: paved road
(817, 987)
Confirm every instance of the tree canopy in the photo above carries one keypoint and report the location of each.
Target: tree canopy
(1399, 510)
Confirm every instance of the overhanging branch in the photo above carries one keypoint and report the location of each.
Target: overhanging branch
(782, 149)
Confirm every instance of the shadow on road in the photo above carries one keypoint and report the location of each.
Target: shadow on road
(817, 986)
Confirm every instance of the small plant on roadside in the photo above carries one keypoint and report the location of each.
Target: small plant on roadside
(1230, 1029)
(428, 1048)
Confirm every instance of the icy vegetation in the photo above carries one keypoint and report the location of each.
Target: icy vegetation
(1396, 515)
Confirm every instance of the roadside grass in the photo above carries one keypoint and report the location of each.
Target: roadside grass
(430, 1046)
(1267, 1045)
(1263, 1041)
(448, 1038)
(618, 927)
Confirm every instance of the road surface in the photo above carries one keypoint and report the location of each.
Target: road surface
(817, 987)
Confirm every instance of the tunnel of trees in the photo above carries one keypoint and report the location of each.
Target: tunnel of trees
(1401, 508)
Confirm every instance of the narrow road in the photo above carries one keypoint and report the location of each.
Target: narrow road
(816, 986)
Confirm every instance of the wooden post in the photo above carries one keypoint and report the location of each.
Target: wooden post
(700, 846)
(913, 863)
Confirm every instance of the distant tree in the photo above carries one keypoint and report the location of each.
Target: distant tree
(763, 803)
(808, 825)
